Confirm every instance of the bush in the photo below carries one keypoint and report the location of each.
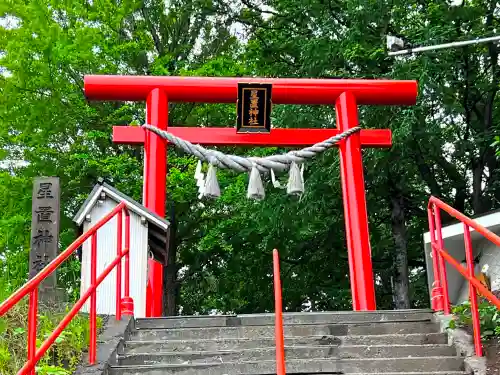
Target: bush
(489, 318)
(60, 359)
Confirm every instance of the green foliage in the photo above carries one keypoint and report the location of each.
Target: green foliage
(60, 359)
(489, 318)
(51, 370)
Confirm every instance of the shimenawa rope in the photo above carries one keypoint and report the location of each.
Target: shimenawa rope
(254, 165)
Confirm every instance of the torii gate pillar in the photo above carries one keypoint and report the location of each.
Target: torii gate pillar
(346, 94)
(154, 188)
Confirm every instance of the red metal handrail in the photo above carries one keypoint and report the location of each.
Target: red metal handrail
(440, 296)
(278, 307)
(124, 306)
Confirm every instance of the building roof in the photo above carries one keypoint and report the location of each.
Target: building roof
(117, 196)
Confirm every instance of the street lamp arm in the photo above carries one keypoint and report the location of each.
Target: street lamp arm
(445, 45)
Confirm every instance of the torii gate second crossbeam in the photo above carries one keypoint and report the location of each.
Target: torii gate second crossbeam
(346, 94)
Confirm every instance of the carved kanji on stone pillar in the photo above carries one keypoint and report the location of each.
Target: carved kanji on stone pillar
(45, 231)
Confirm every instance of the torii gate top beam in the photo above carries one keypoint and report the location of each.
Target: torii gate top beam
(224, 90)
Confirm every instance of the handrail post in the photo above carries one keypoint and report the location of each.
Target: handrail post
(119, 234)
(278, 306)
(437, 290)
(32, 323)
(473, 292)
(93, 301)
(442, 265)
(127, 256)
(127, 301)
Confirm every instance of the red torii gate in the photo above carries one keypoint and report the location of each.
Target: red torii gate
(347, 94)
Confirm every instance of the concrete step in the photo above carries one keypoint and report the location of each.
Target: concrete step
(268, 354)
(303, 366)
(265, 342)
(288, 318)
(303, 330)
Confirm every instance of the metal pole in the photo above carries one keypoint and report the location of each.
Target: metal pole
(32, 322)
(119, 236)
(93, 301)
(442, 264)
(127, 300)
(437, 290)
(278, 308)
(445, 45)
(472, 293)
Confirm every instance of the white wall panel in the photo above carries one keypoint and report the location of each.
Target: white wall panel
(491, 257)
(106, 252)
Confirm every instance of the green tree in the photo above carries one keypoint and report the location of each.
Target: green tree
(46, 122)
(441, 146)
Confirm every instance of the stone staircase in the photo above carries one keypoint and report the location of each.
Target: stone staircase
(382, 342)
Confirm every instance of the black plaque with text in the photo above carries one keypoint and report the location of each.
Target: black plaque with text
(254, 108)
(45, 228)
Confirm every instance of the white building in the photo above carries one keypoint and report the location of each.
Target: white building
(148, 238)
(484, 252)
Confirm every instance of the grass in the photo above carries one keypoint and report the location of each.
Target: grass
(63, 356)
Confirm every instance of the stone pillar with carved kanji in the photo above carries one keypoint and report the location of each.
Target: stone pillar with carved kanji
(45, 234)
